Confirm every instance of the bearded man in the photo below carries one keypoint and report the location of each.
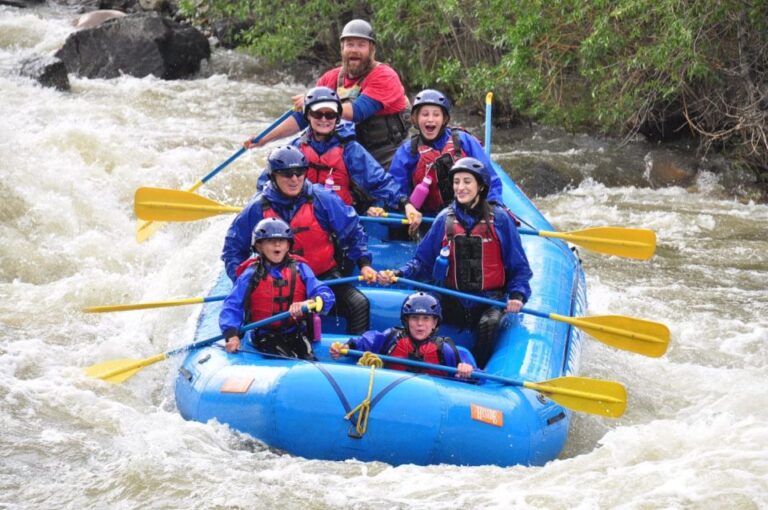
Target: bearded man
(372, 95)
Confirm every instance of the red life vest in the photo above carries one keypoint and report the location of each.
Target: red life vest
(429, 350)
(331, 162)
(310, 240)
(267, 295)
(441, 189)
(475, 262)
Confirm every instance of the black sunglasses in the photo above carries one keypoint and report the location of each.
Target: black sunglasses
(292, 172)
(321, 115)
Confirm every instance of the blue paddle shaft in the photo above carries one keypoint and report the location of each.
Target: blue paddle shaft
(471, 297)
(243, 149)
(444, 368)
(252, 325)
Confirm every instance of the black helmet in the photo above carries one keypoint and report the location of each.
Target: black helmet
(271, 228)
(358, 28)
(433, 97)
(477, 169)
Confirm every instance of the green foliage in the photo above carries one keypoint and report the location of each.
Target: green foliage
(612, 65)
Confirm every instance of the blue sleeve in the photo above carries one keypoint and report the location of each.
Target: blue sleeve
(515, 261)
(316, 288)
(364, 107)
(372, 341)
(232, 312)
(402, 167)
(237, 243)
(300, 120)
(420, 266)
(473, 149)
(337, 217)
(368, 174)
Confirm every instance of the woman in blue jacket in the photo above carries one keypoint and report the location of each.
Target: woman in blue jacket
(485, 256)
(339, 163)
(431, 152)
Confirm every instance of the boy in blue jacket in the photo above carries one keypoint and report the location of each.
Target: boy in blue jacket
(416, 340)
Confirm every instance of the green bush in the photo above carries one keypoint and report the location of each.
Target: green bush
(617, 66)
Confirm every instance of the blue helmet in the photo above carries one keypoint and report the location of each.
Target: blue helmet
(433, 97)
(358, 28)
(285, 158)
(421, 303)
(474, 167)
(321, 97)
(271, 228)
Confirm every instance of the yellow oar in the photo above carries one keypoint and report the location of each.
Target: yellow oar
(118, 370)
(595, 396)
(144, 229)
(161, 204)
(626, 333)
(153, 304)
(189, 301)
(176, 205)
(633, 243)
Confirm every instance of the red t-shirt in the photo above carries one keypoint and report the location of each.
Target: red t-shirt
(381, 84)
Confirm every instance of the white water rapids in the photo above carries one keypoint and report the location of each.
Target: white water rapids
(695, 434)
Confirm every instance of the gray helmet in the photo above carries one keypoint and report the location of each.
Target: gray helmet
(358, 28)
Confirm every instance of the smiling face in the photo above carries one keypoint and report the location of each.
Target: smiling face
(289, 183)
(356, 55)
(465, 187)
(274, 250)
(420, 326)
(430, 119)
(322, 127)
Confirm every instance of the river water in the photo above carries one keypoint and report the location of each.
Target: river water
(695, 434)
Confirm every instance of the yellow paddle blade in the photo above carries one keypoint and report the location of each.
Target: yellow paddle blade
(595, 396)
(633, 243)
(142, 306)
(118, 370)
(625, 333)
(161, 204)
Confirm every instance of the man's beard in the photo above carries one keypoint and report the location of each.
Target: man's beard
(363, 67)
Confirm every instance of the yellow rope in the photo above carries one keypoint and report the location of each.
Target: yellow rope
(369, 359)
(364, 408)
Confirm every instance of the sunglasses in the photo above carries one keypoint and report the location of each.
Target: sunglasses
(294, 172)
(323, 115)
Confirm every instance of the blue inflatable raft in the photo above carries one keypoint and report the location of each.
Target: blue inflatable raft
(313, 409)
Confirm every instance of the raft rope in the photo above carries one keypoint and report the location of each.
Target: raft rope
(363, 409)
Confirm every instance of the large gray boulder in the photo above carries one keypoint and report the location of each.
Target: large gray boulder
(138, 45)
(48, 71)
